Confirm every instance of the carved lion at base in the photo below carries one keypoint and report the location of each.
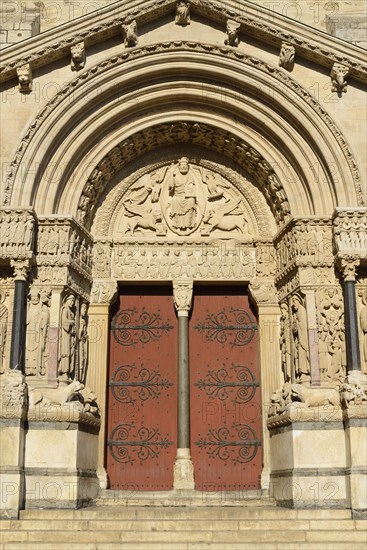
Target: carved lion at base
(314, 397)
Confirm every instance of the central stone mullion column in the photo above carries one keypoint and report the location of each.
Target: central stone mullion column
(183, 470)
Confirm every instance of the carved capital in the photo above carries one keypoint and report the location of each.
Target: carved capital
(104, 292)
(286, 56)
(21, 269)
(263, 292)
(348, 266)
(182, 295)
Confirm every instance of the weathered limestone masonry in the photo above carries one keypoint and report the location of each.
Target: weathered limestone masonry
(186, 143)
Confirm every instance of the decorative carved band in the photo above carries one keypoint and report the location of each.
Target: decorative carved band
(229, 52)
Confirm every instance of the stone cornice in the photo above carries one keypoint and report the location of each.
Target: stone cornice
(257, 22)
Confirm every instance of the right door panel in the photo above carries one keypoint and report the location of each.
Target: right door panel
(225, 393)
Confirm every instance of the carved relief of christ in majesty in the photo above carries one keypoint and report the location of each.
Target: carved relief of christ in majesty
(182, 188)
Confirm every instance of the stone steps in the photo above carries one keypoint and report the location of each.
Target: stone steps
(151, 528)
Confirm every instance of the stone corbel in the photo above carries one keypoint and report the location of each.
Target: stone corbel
(263, 293)
(233, 33)
(182, 295)
(21, 269)
(286, 56)
(104, 292)
(348, 266)
(25, 78)
(130, 34)
(77, 52)
(338, 77)
(182, 13)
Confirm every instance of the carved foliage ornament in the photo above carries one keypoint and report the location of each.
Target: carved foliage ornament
(182, 295)
(174, 46)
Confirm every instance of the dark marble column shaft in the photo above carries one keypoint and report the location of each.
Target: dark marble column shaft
(17, 350)
(351, 327)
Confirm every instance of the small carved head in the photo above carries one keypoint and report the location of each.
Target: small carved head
(183, 165)
(34, 296)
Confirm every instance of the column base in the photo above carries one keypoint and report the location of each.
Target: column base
(183, 473)
(102, 478)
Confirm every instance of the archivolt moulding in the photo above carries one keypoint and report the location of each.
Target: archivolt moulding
(333, 137)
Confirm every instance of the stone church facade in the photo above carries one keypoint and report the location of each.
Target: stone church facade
(183, 258)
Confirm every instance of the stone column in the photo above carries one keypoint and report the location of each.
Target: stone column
(183, 477)
(353, 394)
(265, 297)
(348, 268)
(17, 349)
(103, 295)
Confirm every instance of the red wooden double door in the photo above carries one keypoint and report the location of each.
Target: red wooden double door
(225, 406)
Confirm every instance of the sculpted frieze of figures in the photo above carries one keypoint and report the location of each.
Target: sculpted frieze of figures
(177, 261)
(64, 243)
(331, 334)
(305, 242)
(17, 233)
(350, 232)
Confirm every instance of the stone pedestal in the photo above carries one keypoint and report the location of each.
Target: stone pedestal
(354, 396)
(12, 430)
(308, 457)
(61, 457)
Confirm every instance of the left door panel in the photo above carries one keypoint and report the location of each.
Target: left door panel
(142, 397)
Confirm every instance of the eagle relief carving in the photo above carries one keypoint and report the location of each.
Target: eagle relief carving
(183, 199)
